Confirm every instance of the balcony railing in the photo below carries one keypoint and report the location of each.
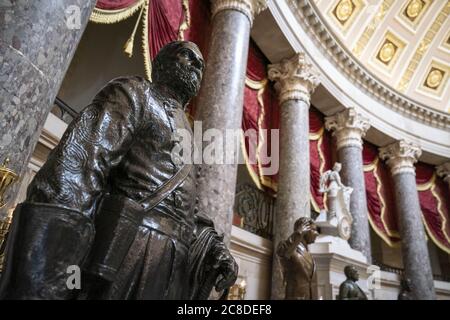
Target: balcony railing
(63, 111)
(400, 271)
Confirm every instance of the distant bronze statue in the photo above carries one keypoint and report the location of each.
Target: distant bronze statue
(349, 289)
(405, 290)
(112, 200)
(298, 264)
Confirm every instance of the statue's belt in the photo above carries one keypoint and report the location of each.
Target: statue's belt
(118, 220)
(170, 227)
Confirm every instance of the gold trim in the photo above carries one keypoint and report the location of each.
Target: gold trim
(252, 173)
(128, 47)
(427, 185)
(370, 29)
(261, 180)
(423, 48)
(431, 185)
(430, 234)
(7, 178)
(114, 16)
(186, 24)
(441, 213)
(145, 43)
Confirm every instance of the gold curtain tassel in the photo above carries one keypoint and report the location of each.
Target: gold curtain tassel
(128, 48)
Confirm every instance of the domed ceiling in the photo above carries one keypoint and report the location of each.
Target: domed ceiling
(404, 43)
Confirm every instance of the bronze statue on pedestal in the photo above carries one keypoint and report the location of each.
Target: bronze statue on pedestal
(112, 200)
(349, 289)
(298, 264)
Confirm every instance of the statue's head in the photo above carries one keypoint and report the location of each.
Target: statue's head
(351, 273)
(307, 228)
(179, 66)
(337, 166)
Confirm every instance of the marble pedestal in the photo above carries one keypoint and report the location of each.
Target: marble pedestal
(332, 254)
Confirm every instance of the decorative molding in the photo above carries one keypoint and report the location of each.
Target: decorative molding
(250, 8)
(349, 127)
(400, 156)
(296, 78)
(256, 209)
(310, 18)
(370, 29)
(423, 47)
(443, 171)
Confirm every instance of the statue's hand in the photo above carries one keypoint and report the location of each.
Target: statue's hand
(227, 268)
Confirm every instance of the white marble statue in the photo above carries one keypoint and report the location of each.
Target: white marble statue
(338, 201)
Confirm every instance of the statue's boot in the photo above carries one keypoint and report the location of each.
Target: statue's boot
(44, 244)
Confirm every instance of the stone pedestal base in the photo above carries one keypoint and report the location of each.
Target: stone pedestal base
(332, 254)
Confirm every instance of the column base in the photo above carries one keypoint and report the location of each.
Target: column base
(332, 254)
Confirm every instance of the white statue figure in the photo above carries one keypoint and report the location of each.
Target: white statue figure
(338, 201)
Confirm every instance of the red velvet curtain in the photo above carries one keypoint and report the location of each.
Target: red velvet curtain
(434, 202)
(114, 4)
(320, 151)
(379, 193)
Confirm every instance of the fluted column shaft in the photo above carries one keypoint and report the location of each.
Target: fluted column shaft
(296, 80)
(401, 157)
(349, 128)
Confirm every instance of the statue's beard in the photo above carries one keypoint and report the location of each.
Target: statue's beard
(182, 79)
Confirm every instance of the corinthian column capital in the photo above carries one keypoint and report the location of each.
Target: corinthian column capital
(401, 156)
(250, 8)
(443, 171)
(296, 78)
(349, 127)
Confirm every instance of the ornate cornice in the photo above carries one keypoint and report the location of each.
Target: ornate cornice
(250, 8)
(349, 127)
(443, 171)
(314, 23)
(296, 78)
(401, 156)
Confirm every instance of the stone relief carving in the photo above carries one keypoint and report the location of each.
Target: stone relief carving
(256, 209)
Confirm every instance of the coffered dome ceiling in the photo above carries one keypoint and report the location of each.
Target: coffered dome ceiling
(404, 43)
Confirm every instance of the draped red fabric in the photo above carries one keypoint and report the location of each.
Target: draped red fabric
(165, 18)
(320, 153)
(433, 197)
(380, 201)
(257, 117)
(260, 121)
(114, 4)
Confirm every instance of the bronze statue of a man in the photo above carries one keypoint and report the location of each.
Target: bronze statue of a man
(298, 264)
(349, 289)
(112, 200)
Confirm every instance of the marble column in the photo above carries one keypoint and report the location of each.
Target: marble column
(349, 127)
(220, 104)
(295, 79)
(443, 171)
(37, 42)
(400, 157)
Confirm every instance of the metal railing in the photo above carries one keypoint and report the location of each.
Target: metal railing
(400, 271)
(63, 111)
